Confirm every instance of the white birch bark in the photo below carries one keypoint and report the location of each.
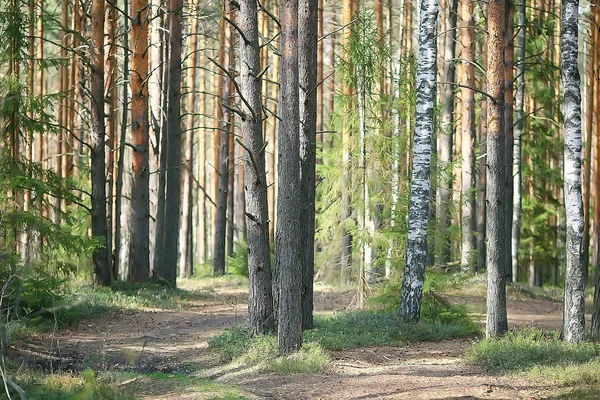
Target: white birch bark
(573, 317)
(417, 248)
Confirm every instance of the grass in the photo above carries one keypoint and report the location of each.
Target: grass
(541, 356)
(86, 303)
(118, 386)
(341, 331)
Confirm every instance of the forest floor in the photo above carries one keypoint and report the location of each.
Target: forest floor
(156, 353)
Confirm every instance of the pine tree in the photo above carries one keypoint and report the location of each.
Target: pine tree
(260, 298)
(287, 243)
(496, 287)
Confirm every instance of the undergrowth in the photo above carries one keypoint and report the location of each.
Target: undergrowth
(343, 331)
(542, 356)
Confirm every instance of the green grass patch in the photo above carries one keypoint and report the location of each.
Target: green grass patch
(85, 303)
(540, 356)
(338, 332)
(527, 348)
(84, 386)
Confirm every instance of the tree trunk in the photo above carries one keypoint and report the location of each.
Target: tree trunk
(446, 134)
(468, 210)
(260, 297)
(496, 288)
(307, 63)
(287, 243)
(346, 256)
(573, 317)
(509, 57)
(186, 263)
(123, 134)
(168, 267)
(416, 248)
(223, 166)
(102, 274)
(139, 251)
(519, 128)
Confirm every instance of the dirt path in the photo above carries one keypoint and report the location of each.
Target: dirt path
(175, 341)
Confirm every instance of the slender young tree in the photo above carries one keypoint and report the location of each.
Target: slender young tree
(260, 297)
(468, 202)
(139, 250)
(307, 63)
(446, 134)
(509, 57)
(102, 274)
(518, 133)
(417, 247)
(287, 242)
(496, 288)
(574, 313)
(222, 157)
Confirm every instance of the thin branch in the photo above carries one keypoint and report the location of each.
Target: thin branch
(237, 87)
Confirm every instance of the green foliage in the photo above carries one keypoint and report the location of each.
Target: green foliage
(530, 348)
(237, 264)
(387, 132)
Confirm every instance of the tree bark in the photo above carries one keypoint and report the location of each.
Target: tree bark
(346, 212)
(260, 297)
(168, 267)
(468, 203)
(509, 56)
(573, 317)
(446, 134)
(519, 128)
(307, 60)
(186, 263)
(287, 243)
(496, 196)
(417, 247)
(139, 251)
(222, 177)
(102, 274)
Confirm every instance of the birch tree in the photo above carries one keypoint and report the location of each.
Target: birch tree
(260, 297)
(573, 315)
(417, 248)
(496, 287)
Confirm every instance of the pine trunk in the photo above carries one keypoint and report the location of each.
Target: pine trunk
(446, 134)
(102, 273)
(168, 268)
(417, 247)
(468, 204)
(260, 297)
(496, 288)
(139, 251)
(287, 243)
(307, 63)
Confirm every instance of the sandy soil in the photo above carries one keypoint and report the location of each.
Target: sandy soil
(176, 341)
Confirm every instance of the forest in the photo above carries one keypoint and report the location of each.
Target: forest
(299, 199)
